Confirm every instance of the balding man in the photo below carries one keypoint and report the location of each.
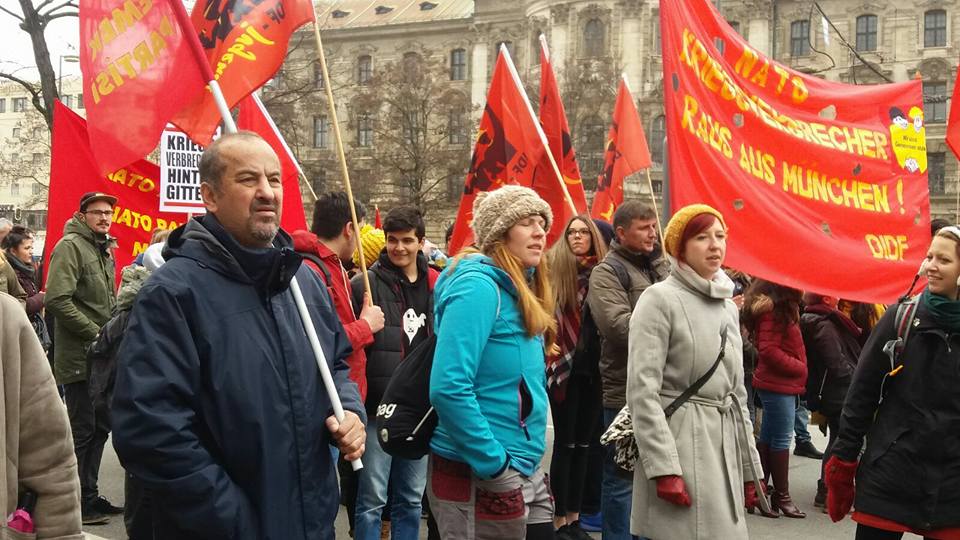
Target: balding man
(219, 406)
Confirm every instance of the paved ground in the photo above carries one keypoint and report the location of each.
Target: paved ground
(803, 475)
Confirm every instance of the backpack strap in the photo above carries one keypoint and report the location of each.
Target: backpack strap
(319, 263)
(623, 275)
(906, 314)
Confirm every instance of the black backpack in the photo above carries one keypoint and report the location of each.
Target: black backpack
(405, 417)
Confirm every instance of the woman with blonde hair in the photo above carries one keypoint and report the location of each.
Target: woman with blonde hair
(573, 373)
(494, 319)
(697, 465)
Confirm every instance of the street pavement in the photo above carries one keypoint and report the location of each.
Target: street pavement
(803, 485)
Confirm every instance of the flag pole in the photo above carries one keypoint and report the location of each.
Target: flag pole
(283, 142)
(339, 140)
(231, 127)
(653, 196)
(536, 122)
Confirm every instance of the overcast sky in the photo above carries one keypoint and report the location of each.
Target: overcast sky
(16, 51)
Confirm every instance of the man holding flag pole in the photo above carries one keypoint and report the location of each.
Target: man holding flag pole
(218, 406)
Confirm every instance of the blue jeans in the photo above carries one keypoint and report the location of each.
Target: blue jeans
(383, 475)
(616, 496)
(779, 417)
(800, 422)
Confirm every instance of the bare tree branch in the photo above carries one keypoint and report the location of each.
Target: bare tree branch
(30, 87)
(12, 14)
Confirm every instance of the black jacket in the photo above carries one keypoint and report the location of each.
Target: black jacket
(219, 406)
(391, 291)
(833, 347)
(910, 471)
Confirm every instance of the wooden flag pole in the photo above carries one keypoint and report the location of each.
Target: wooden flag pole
(339, 140)
(958, 197)
(653, 199)
(231, 127)
(536, 122)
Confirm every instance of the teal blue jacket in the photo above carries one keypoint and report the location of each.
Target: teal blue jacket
(488, 383)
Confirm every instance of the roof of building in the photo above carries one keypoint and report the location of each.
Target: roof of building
(365, 13)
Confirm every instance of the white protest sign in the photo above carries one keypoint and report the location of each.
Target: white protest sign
(179, 173)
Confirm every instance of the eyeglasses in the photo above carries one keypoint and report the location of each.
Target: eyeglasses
(100, 213)
(578, 232)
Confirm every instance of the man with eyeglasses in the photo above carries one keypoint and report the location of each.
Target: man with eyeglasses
(80, 296)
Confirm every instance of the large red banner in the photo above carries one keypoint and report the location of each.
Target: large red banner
(245, 42)
(74, 172)
(823, 184)
(137, 72)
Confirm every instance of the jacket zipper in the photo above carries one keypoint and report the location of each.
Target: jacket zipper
(520, 417)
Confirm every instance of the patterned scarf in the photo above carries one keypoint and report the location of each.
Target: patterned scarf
(568, 333)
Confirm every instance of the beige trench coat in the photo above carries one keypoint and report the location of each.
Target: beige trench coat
(37, 446)
(674, 339)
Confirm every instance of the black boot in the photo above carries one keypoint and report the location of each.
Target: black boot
(820, 500)
(807, 449)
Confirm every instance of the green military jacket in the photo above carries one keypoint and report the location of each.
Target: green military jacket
(9, 282)
(80, 295)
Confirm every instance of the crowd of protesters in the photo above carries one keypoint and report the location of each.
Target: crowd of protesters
(698, 379)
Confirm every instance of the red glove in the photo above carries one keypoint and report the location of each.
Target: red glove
(838, 477)
(673, 490)
(750, 499)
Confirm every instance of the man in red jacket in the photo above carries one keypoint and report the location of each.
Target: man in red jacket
(333, 240)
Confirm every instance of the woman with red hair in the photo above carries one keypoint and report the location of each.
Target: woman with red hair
(698, 464)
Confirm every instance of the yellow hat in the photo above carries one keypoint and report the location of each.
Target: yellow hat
(372, 241)
(679, 221)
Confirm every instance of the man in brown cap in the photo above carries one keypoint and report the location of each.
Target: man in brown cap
(80, 296)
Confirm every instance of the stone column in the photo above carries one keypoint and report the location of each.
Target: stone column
(478, 70)
(632, 43)
(758, 35)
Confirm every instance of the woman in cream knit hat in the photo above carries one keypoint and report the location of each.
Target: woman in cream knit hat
(494, 319)
(699, 466)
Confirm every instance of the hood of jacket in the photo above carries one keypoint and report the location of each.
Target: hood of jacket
(132, 279)
(476, 263)
(204, 240)
(307, 242)
(392, 273)
(77, 226)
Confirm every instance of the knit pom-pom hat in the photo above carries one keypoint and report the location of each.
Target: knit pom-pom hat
(678, 223)
(372, 240)
(494, 212)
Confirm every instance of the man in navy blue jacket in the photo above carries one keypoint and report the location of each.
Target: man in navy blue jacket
(219, 406)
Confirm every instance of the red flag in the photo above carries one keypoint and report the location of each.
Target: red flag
(245, 43)
(508, 148)
(74, 171)
(626, 153)
(953, 123)
(137, 73)
(553, 118)
(252, 116)
(377, 224)
(803, 169)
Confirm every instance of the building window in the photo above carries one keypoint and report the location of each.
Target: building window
(19, 104)
(3, 105)
(321, 132)
(15, 188)
(364, 70)
(381, 10)
(456, 132)
(37, 133)
(79, 101)
(319, 180)
(37, 188)
(412, 64)
(658, 130)
(364, 131)
(657, 42)
(16, 133)
(867, 33)
(427, 6)
(458, 65)
(735, 25)
(411, 127)
(339, 13)
(935, 28)
(799, 38)
(455, 182)
(593, 38)
(317, 76)
(935, 102)
(936, 172)
(67, 100)
(37, 159)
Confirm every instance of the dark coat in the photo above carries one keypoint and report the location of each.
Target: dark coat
(832, 343)
(390, 344)
(781, 361)
(910, 472)
(219, 406)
